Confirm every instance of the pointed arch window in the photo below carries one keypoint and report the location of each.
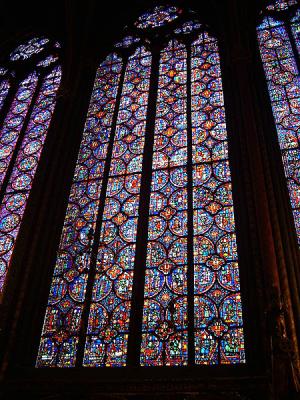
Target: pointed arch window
(279, 41)
(28, 87)
(147, 267)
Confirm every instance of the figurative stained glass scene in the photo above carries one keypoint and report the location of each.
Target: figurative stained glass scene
(147, 267)
(26, 107)
(279, 41)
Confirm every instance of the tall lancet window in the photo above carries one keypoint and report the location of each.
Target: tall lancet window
(279, 40)
(147, 268)
(29, 81)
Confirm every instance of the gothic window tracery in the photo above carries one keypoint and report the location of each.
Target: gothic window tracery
(148, 255)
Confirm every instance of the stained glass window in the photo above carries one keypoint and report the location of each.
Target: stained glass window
(4, 86)
(147, 267)
(279, 5)
(278, 36)
(158, 17)
(27, 106)
(164, 327)
(106, 343)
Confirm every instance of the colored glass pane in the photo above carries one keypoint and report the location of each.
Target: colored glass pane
(188, 27)
(295, 28)
(59, 341)
(14, 121)
(280, 5)
(108, 327)
(284, 89)
(9, 135)
(3, 71)
(4, 89)
(217, 304)
(159, 16)
(47, 61)
(20, 181)
(30, 104)
(164, 337)
(127, 41)
(26, 50)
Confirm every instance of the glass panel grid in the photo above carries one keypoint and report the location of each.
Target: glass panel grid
(108, 328)
(165, 337)
(59, 343)
(219, 335)
(284, 89)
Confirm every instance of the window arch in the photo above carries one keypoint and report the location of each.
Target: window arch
(28, 87)
(147, 267)
(279, 42)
